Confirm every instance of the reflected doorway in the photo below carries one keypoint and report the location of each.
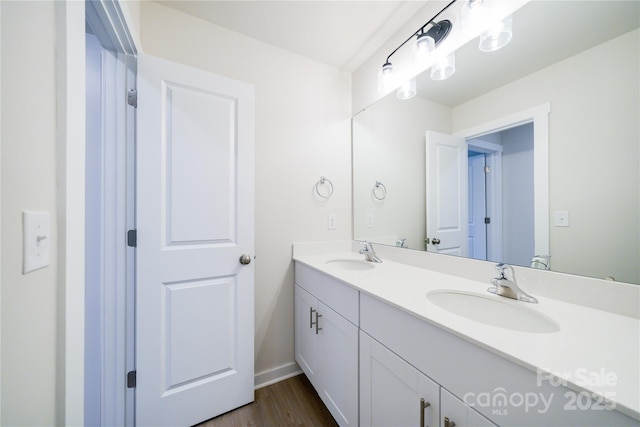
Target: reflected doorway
(501, 196)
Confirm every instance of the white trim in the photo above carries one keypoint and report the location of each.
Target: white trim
(105, 17)
(276, 375)
(540, 117)
(70, 81)
(493, 154)
(0, 203)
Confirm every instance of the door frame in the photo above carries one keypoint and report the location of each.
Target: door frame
(117, 194)
(539, 116)
(70, 194)
(493, 156)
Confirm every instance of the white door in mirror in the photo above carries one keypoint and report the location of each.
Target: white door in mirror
(36, 240)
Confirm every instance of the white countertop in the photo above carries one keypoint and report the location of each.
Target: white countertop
(594, 350)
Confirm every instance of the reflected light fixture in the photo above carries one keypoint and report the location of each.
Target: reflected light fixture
(425, 43)
(407, 89)
(444, 67)
(497, 36)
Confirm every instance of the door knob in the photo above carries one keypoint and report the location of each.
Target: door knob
(245, 259)
(435, 241)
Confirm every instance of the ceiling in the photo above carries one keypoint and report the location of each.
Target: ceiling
(341, 33)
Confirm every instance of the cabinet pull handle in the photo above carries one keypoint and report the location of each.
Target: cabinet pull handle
(317, 323)
(448, 423)
(423, 405)
(311, 311)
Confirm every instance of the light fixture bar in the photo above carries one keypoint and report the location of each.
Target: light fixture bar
(444, 28)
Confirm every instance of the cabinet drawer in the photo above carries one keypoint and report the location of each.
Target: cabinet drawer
(340, 297)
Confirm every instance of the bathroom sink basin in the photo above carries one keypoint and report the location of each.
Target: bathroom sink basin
(351, 264)
(494, 311)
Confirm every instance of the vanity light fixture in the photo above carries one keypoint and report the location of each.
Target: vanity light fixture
(444, 67)
(497, 36)
(407, 90)
(425, 42)
(480, 16)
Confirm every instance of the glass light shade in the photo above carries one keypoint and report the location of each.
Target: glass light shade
(385, 78)
(423, 47)
(497, 36)
(472, 15)
(407, 90)
(444, 68)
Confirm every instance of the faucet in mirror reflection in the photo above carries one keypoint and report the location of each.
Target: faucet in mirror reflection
(541, 262)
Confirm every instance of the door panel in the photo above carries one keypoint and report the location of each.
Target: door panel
(306, 340)
(339, 366)
(446, 160)
(391, 389)
(194, 300)
(199, 150)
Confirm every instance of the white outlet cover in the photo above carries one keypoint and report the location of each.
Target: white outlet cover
(36, 241)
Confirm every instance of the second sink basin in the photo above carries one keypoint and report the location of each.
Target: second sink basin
(507, 314)
(351, 264)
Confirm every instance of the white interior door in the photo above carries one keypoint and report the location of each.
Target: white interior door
(446, 160)
(195, 218)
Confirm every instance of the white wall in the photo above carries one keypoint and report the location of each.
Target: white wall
(28, 139)
(389, 144)
(303, 115)
(593, 146)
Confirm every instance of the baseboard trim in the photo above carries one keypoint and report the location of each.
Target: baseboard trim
(275, 375)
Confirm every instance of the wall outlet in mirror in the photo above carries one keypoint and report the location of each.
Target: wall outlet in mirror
(370, 220)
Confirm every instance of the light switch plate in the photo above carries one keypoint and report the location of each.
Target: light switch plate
(36, 240)
(562, 219)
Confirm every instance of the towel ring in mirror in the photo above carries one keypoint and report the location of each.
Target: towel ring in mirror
(324, 182)
(379, 191)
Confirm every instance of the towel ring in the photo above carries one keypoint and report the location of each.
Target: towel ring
(379, 191)
(321, 183)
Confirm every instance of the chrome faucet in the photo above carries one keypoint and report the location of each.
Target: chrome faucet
(506, 285)
(369, 253)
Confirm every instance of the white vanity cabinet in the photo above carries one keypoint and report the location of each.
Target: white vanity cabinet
(392, 392)
(326, 345)
(477, 385)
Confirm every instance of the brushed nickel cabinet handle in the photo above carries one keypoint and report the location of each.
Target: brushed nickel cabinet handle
(311, 323)
(448, 423)
(423, 405)
(317, 322)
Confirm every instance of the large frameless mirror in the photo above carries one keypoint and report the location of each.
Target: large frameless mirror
(570, 203)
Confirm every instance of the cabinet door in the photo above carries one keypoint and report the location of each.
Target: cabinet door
(392, 392)
(455, 412)
(306, 338)
(338, 364)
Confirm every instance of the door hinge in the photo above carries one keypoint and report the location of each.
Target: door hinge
(132, 98)
(487, 169)
(131, 379)
(487, 220)
(132, 238)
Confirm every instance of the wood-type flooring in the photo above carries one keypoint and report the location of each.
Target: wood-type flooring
(289, 403)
